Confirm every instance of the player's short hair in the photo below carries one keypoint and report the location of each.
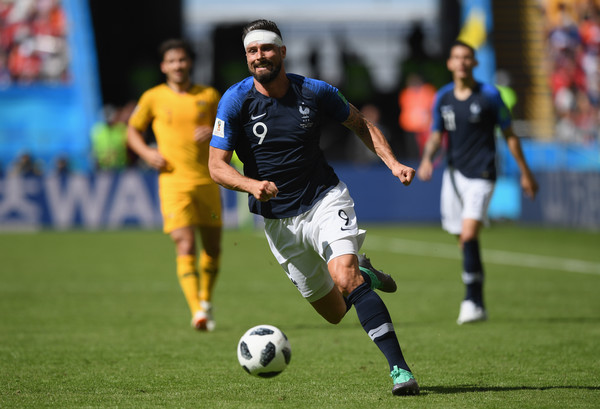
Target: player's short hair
(460, 43)
(261, 24)
(175, 43)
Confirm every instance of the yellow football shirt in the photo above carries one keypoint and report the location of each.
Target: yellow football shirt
(174, 117)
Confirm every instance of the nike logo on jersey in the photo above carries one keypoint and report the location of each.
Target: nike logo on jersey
(252, 117)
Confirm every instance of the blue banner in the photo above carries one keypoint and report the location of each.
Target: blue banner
(50, 101)
(115, 200)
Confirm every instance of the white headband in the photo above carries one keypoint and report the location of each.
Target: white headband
(262, 37)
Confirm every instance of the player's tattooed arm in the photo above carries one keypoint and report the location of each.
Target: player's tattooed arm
(358, 124)
(374, 139)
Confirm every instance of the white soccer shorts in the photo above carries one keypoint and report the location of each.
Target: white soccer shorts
(463, 198)
(304, 244)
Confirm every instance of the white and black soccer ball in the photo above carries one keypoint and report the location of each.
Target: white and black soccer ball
(264, 351)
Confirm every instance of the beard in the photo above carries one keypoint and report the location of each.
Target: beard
(268, 76)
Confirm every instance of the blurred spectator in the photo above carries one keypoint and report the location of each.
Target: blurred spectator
(416, 102)
(585, 118)
(109, 138)
(26, 166)
(62, 167)
(507, 93)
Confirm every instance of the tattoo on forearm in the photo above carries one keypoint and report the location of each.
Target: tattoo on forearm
(358, 124)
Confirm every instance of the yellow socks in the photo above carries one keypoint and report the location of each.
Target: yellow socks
(197, 287)
(209, 269)
(189, 281)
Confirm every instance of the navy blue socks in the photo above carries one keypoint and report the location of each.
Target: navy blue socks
(376, 321)
(473, 272)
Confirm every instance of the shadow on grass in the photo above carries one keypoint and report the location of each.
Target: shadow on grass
(446, 390)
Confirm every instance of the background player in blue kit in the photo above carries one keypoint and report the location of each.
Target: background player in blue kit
(469, 112)
(272, 120)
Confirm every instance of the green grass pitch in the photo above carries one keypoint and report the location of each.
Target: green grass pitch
(96, 320)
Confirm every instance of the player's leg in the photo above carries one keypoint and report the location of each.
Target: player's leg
(476, 196)
(289, 241)
(180, 216)
(210, 257)
(187, 274)
(472, 308)
(372, 313)
(473, 273)
(334, 234)
(207, 215)
(332, 306)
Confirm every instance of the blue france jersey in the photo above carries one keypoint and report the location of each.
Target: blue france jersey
(278, 140)
(471, 128)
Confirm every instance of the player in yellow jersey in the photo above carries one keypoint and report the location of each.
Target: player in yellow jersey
(182, 115)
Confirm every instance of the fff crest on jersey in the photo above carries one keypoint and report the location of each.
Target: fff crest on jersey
(475, 110)
(305, 112)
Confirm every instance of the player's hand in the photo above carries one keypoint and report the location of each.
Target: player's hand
(265, 191)
(202, 133)
(425, 171)
(529, 185)
(155, 160)
(406, 174)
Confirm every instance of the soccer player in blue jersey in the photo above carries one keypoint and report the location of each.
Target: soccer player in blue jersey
(469, 111)
(272, 121)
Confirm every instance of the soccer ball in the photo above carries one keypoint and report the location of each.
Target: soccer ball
(264, 351)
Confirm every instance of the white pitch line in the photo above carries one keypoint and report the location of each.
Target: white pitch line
(450, 251)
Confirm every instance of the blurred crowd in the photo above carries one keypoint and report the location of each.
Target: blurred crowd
(33, 43)
(33, 49)
(573, 51)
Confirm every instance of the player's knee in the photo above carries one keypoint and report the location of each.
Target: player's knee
(185, 246)
(348, 281)
(470, 230)
(345, 275)
(185, 241)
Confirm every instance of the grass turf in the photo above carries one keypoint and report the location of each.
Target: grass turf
(95, 320)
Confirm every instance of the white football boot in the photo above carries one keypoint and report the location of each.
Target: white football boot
(470, 312)
(203, 320)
